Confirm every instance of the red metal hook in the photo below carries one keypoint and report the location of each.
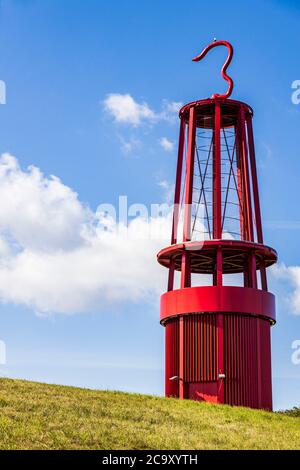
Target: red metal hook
(224, 68)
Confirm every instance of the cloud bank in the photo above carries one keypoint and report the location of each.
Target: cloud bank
(123, 108)
(289, 275)
(166, 144)
(59, 256)
(56, 257)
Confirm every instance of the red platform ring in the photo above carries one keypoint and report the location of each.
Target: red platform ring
(203, 254)
(218, 299)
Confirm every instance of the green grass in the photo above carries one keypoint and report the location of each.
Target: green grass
(40, 416)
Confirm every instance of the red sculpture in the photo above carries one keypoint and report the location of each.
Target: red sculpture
(218, 334)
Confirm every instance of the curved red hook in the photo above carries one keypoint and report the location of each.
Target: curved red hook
(224, 68)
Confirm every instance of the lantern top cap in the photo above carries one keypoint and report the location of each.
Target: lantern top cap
(210, 46)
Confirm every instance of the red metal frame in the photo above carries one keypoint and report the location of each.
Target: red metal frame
(218, 336)
(218, 299)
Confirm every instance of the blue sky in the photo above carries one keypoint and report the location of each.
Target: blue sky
(60, 60)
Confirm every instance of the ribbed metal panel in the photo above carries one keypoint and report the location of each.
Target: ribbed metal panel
(200, 348)
(172, 358)
(247, 361)
(266, 368)
(247, 358)
(200, 351)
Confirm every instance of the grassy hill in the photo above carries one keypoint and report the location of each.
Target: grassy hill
(40, 416)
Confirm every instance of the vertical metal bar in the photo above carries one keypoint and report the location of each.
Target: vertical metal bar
(249, 382)
(241, 377)
(196, 320)
(171, 276)
(247, 189)
(201, 349)
(259, 384)
(217, 195)
(211, 347)
(199, 332)
(181, 357)
(177, 199)
(228, 368)
(243, 346)
(236, 358)
(240, 356)
(219, 267)
(263, 274)
(231, 358)
(240, 179)
(178, 181)
(254, 180)
(190, 347)
(269, 366)
(204, 348)
(253, 361)
(168, 351)
(246, 275)
(185, 263)
(220, 357)
(252, 270)
(189, 175)
(177, 354)
(215, 348)
(185, 270)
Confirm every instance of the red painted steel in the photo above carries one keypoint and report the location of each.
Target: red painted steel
(200, 348)
(218, 336)
(177, 198)
(217, 196)
(172, 356)
(189, 176)
(203, 255)
(217, 299)
(247, 363)
(224, 68)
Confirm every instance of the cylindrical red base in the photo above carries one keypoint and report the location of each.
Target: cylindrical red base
(245, 375)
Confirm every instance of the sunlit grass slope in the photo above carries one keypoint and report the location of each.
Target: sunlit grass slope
(40, 416)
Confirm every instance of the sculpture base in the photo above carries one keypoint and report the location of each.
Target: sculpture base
(219, 358)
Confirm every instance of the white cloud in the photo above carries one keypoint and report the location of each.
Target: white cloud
(291, 275)
(129, 145)
(55, 255)
(38, 212)
(168, 189)
(170, 110)
(125, 109)
(166, 144)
